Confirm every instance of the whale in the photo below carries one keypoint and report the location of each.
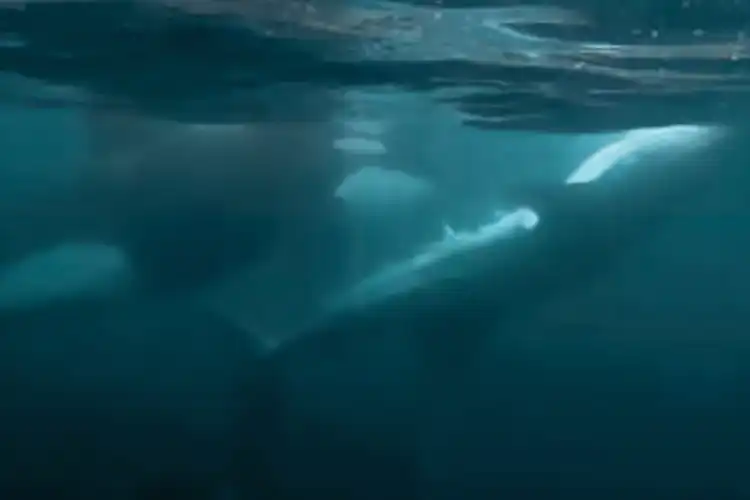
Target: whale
(453, 299)
(149, 186)
(182, 402)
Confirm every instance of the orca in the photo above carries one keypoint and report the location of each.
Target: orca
(153, 400)
(449, 301)
(150, 187)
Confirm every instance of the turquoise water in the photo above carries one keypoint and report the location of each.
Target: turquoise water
(169, 256)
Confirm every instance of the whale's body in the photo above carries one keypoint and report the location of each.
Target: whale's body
(150, 187)
(259, 433)
(451, 300)
(640, 182)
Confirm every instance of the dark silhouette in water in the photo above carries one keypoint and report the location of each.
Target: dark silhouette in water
(189, 202)
(147, 400)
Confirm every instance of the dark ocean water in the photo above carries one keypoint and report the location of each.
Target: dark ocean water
(191, 371)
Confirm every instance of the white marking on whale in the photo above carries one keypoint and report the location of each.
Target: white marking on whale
(374, 189)
(360, 146)
(457, 253)
(630, 147)
(65, 272)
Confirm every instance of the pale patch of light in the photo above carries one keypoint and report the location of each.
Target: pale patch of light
(376, 189)
(65, 272)
(625, 149)
(503, 224)
(371, 128)
(360, 145)
(456, 248)
(11, 41)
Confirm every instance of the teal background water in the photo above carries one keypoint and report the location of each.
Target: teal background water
(636, 385)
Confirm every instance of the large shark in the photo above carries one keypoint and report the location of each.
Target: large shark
(150, 400)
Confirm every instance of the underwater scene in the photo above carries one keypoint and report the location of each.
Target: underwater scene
(374, 250)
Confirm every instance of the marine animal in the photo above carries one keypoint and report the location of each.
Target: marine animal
(151, 399)
(188, 202)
